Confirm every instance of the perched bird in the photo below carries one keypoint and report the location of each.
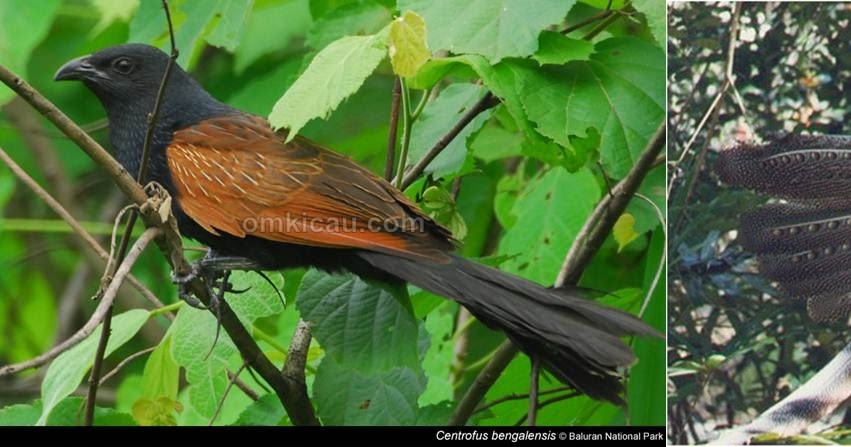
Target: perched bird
(802, 240)
(258, 202)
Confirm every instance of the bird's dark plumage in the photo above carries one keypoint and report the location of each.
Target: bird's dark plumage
(803, 241)
(241, 190)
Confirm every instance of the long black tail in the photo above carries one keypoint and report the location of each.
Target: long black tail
(574, 338)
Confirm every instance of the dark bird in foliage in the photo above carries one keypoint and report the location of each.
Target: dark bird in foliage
(803, 240)
(260, 203)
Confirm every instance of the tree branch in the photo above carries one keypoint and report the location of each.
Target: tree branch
(487, 101)
(389, 161)
(589, 239)
(295, 364)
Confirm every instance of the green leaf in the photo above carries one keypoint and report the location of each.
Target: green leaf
(647, 378)
(350, 19)
(193, 332)
(438, 359)
(347, 396)
(333, 75)
(233, 15)
(549, 214)
(161, 374)
(620, 92)
(266, 411)
(654, 12)
(359, 324)
(25, 24)
(437, 118)
(20, 414)
(269, 15)
(407, 44)
(495, 29)
(436, 69)
(148, 23)
(556, 48)
(158, 412)
(67, 371)
(624, 230)
(111, 11)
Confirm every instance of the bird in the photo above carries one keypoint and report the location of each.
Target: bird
(262, 203)
(802, 236)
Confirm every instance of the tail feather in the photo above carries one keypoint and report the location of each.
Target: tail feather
(575, 338)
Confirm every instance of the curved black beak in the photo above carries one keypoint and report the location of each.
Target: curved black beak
(78, 69)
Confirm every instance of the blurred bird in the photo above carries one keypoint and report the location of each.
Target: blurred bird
(260, 203)
(803, 240)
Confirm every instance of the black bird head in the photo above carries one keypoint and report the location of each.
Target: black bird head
(126, 79)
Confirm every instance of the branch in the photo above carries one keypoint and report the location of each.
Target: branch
(294, 366)
(170, 243)
(394, 128)
(487, 101)
(99, 313)
(597, 227)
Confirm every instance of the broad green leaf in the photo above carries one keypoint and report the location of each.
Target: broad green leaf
(438, 359)
(68, 413)
(653, 187)
(434, 415)
(266, 411)
(270, 15)
(436, 69)
(359, 324)
(197, 15)
(494, 142)
(624, 230)
(437, 118)
(112, 11)
(549, 213)
(647, 378)
(67, 371)
(193, 332)
(25, 24)
(30, 300)
(355, 18)
(233, 15)
(148, 23)
(620, 92)
(654, 12)
(161, 374)
(495, 29)
(407, 44)
(347, 396)
(20, 414)
(333, 75)
(556, 48)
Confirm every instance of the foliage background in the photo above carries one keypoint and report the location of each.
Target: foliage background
(735, 345)
(515, 186)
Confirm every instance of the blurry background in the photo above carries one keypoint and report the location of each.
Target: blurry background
(735, 345)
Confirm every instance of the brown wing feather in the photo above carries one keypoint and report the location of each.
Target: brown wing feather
(233, 174)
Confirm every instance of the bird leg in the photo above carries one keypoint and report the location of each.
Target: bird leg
(214, 270)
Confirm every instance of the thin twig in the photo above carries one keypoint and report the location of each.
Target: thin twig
(513, 396)
(407, 124)
(534, 375)
(599, 16)
(97, 316)
(394, 127)
(487, 101)
(124, 363)
(94, 378)
(550, 401)
(661, 267)
(225, 394)
(72, 222)
(589, 239)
